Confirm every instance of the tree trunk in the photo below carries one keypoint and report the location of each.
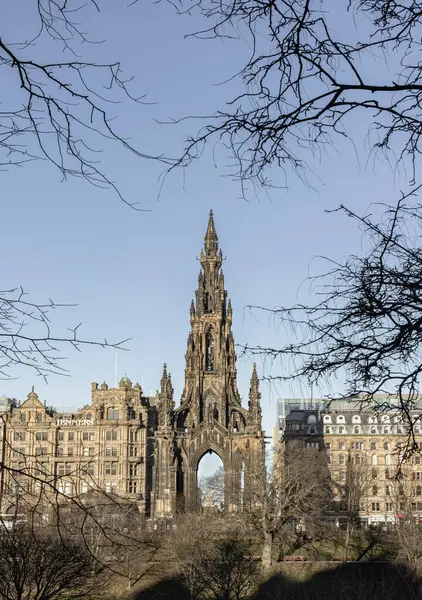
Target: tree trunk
(267, 549)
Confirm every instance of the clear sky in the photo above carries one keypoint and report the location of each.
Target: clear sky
(134, 274)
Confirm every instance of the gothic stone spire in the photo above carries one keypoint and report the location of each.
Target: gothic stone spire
(254, 416)
(165, 403)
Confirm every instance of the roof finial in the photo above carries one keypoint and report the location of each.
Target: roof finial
(211, 239)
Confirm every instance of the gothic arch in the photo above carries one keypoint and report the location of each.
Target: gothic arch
(209, 447)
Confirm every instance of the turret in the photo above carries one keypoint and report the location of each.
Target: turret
(254, 416)
(165, 404)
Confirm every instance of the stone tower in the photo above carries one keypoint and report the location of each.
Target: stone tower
(210, 416)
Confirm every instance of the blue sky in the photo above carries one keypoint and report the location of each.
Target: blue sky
(133, 274)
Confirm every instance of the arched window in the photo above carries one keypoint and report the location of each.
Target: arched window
(386, 445)
(113, 413)
(374, 474)
(399, 429)
(374, 460)
(356, 429)
(340, 419)
(387, 460)
(209, 351)
(327, 419)
(387, 473)
(327, 429)
(357, 459)
(373, 430)
(23, 418)
(341, 429)
(341, 459)
(374, 490)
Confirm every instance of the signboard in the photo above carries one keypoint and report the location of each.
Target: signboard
(75, 422)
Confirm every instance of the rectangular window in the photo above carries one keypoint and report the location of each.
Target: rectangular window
(375, 506)
(91, 451)
(111, 435)
(70, 451)
(41, 436)
(133, 487)
(133, 470)
(110, 468)
(108, 486)
(84, 487)
(388, 506)
(387, 490)
(328, 446)
(373, 445)
(341, 445)
(60, 436)
(71, 436)
(417, 460)
(18, 436)
(133, 451)
(111, 451)
(63, 469)
(374, 490)
(18, 452)
(88, 436)
(41, 451)
(89, 469)
(60, 451)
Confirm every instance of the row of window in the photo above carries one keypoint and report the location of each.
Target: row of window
(110, 468)
(389, 506)
(359, 460)
(358, 419)
(134, 451)
(70, 436)
(357, 430)
(373, 445)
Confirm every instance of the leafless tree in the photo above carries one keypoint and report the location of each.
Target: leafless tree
(42, 566)
(214, 558)
(290, 497)
(353, 493)
(73, 505)
(310, 67)
(57, 106)
(28, 341)
(363, 322)
(212, 488)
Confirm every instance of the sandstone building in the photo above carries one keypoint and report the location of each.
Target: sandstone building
(145, 448)
(366, 457)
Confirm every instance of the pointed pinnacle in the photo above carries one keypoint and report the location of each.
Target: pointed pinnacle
(165, 371)
(211, 239)
(254, 378)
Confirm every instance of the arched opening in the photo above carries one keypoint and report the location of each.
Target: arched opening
(210, 482)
